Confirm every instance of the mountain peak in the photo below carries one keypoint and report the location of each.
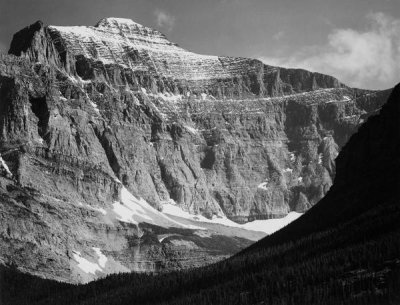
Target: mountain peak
(123, 43)
(122, 27)
(114, 22)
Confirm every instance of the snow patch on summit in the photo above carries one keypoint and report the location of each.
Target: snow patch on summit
(110, 21)
(110, 40)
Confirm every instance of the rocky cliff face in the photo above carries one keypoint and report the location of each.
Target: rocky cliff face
(217, 135)
(93, 118)
(64, 213)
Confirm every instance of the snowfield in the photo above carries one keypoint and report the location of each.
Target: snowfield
(132, 210)
(267, 226)
(102, 258)
(85, 265)
(270, 226)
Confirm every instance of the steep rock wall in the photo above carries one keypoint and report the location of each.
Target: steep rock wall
(217, 135)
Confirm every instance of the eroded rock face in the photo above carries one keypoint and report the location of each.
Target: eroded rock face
(63, 214)
(217, 135)
(86, 112)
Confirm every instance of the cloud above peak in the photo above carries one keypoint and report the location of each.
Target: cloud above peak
(365, 59)
(164, 20)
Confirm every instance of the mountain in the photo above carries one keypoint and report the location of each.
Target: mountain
(196, 128)
(344, 250)
(106, 131)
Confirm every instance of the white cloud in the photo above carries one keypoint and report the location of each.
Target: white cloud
(164, 20)
(366, 59)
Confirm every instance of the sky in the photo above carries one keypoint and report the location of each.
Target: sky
(357, 41)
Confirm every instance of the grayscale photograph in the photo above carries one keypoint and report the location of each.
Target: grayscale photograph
(200, 152)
